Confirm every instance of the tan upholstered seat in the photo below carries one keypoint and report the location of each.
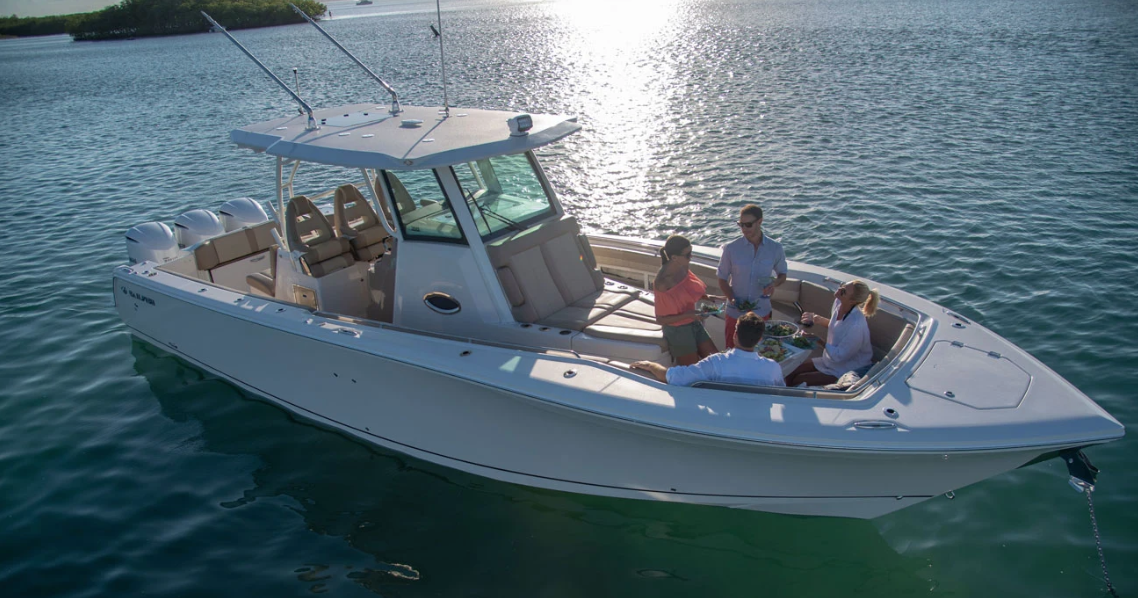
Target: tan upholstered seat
(543, 271)
(357, 222)
(884, 328)
(898, 346)
(550, 277)
(230, 247)
(309, 232)
(400, 195)
(227, 259)
(265, 284)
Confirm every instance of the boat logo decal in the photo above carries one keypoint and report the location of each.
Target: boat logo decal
(137, 296)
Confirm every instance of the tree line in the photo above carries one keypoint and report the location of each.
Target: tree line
(147, 18)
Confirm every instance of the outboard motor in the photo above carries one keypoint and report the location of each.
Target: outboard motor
(153, 242)
(241, 212)
(196, 226)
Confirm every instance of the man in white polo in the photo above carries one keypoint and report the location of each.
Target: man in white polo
(740, 365)
(750, 268)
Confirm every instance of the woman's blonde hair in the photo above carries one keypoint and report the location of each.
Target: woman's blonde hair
(864, 296)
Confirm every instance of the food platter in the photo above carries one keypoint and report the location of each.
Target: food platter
(802, 342)
(781, 329)
(707, 307)
(773, 349)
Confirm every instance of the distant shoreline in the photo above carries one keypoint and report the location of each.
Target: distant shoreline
(154, 18)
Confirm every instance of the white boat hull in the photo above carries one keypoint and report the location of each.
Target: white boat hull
(373, 387)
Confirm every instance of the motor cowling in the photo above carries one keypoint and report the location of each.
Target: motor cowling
(196, 226)
(241, 212)
(151, 242)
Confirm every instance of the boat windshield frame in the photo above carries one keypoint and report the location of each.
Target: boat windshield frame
(516, 207)
(439, 210)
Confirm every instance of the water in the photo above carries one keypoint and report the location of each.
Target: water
(978, 153)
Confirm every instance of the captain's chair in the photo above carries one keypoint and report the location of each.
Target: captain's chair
(402, 198)
(356, 221)
(310, 233)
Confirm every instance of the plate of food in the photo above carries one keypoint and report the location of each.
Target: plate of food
(707, 307)
(781, 329)
(802, 341)
(746, 305)
(772, 349)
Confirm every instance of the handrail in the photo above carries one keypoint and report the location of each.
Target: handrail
(395, 108)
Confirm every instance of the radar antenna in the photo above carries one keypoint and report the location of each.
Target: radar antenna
(395, 108)
(311, 120)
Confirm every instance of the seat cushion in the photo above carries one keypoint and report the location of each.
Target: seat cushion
(261, 284)
(369, 253)
(618, 326)
(572, 275)
(368, 236)
(575, 318)
(327, 250)
(331, 265)
(542, 298)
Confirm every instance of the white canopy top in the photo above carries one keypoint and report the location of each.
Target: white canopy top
(369, 136)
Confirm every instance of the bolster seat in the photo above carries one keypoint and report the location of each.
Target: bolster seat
(309, 232)
(356, 221)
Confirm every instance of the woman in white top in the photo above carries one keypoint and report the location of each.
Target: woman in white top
(847, 337)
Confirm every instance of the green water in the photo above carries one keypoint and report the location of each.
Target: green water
(979, 154)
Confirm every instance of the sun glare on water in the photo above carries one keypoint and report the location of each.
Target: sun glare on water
(615, 47)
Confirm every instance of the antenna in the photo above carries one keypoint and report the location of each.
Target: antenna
(312, 126)
(442, 56)
(395, 109)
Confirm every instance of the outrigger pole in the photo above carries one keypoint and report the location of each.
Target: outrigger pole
(395, 108)
(442, 56)
(312, 126)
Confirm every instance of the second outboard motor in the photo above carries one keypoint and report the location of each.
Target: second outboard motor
(196, 226)
(241, 212)
(151, 242)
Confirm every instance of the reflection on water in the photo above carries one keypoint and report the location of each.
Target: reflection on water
(435, 531)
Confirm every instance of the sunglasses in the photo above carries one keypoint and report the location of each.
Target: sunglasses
(842, 291)
(748, 224)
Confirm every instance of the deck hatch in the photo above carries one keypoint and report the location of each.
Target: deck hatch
(979, 378)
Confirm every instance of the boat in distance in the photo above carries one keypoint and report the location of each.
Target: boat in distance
(444, 305)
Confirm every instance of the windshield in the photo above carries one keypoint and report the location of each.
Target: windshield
(504, 193)
(423, 209)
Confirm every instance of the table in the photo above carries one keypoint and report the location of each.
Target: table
(794, 358)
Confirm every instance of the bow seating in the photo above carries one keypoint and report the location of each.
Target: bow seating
(888, 332)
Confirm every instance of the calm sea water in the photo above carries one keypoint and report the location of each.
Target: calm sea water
(981, 153)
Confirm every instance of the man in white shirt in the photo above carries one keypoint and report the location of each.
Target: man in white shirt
(750, 268)
(740, 365)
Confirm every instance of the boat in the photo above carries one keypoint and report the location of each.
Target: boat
(363, 2)
(444, 305)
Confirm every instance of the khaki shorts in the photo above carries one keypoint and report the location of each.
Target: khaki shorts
(685, 338)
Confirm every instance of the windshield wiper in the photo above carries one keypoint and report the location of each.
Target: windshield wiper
(486, 210)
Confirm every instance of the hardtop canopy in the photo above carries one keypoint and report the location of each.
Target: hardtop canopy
(369, 136)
